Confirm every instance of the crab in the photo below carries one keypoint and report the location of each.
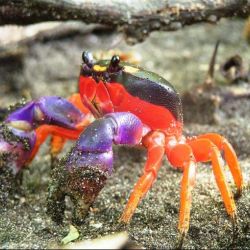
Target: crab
(130, 106)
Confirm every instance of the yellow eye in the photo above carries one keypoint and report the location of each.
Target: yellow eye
(99, 68)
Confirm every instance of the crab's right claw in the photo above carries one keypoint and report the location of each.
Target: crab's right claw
(18, 140)
(15, 147)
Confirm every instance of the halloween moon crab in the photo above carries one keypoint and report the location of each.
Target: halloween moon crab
(118, 103)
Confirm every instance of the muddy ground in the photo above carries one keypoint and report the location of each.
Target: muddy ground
(50, 66)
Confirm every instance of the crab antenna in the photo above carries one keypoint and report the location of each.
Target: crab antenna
(87, 58)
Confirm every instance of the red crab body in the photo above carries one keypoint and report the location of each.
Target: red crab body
(156, 103)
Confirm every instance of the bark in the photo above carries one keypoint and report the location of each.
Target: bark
(135, 18)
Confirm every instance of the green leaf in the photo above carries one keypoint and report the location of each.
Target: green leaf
(72, 235)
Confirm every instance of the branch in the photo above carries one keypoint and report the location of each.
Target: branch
(135, 18)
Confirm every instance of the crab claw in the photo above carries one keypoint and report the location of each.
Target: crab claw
(15, 147)
(17, 133)
(83, 173)
(95, 96)
(51, 110)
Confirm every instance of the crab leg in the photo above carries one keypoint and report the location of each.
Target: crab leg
(155, 144)
(181, 156)
(56, 145)
(230, 157)
(45, 130)
(187, 185)
(205, 150)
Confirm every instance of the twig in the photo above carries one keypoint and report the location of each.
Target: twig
(135, 18)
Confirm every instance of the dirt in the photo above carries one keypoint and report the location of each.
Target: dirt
(51, 67)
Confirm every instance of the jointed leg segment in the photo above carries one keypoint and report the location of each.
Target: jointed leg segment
(205, 150)
(181, 156)
(44, 131)
(155, 144)
(230, 157)
(185, 155)
(202, 149)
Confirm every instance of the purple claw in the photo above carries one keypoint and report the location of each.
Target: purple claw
(94, 146)
(52, 110)
(25, 113)
(15, 147)
(17, 135)
(90, 162)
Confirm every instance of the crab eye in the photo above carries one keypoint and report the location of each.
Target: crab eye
(115, 60)
(87, 58)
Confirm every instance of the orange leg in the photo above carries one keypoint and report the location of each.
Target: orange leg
(205, 150)
(181, 156)
(230, 157)
(45, 130)
(56, 145)
(155, 144)
(75, 99)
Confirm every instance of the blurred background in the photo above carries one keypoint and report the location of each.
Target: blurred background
(44, 59)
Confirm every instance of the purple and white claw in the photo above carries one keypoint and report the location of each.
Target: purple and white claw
(15, 147)
(17, 135)
(90, 162)
(51, 110)
(94, 146)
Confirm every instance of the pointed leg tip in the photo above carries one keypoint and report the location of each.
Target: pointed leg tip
(129, 210)
(181, 239)
(124, 219)
(235, 229)
(235, 218)
(239, 192)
